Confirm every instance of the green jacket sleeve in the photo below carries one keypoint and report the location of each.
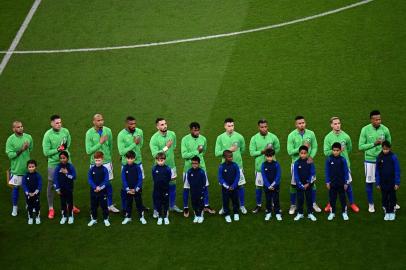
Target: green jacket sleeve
(290, 146)
(91, 149)
(388, 136)
(313, 149)
(253, 149)
(110, 140)
(349, 144)
(46, 147)
(362, 144)
(218, 151)
(277, 145)
(154, 147)
(10, 151)
(242, 141)
(327, 147)
(122, 150)
(184, 151)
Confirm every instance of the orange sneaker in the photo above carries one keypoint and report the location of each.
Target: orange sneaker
(51, 213)
(327, 208)
(76, 210)
(354, 208)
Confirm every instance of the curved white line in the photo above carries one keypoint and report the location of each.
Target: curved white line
(196, 38)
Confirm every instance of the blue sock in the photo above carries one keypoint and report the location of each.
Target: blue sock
(313, 195)
(14, 195)
(292, 198)
(186, 198)
(241, 193)
(350, 195)
(369, 189)
(206, 197)
(123, 194)
(172, 195)
(258, 195)
(109, 189)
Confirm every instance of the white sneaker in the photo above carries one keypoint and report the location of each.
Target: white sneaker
(278, 217)
(166, 221)
(106, 223)
(236, 217)
(316, 208)
(143, 221)
(155, 214)
(63, 220)
(92, 222)
(298, 217)
(243, 210)
(159, 222)
(70, 220)
(221, 211)
(371, 208)
(126, 220)
(268, 216)
(292, 209)
(30, 221)
(176, 209)
(392, 216)
(196, 219)
(386, 217)
(14, 212)
(397, 207)
(113, 209)
(200, 220)
(345, 216)
(331, 216)
(37, 220)
(228, 219)
(311, 217)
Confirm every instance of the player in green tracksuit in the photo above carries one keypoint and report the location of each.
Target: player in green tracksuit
(131, 138)
(233, 141)
(259, 143)
(164, 141)
(56, 139)
(370, 141)
(338, 135)
(100, 138)
(194, 144)
(18, 148)
(298, 137)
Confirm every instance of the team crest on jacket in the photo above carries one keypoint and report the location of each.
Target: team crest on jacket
(156, 171)
(332, 163)
(191, 174)
(299, 166)
(266, 169)
(225, 170)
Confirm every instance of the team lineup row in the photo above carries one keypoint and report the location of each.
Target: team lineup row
(99, 140)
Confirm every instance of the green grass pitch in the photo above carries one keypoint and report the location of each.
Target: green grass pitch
(344, 64)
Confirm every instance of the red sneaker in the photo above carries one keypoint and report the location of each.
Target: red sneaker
(327, 208)
(51, 213)
(76, 210)
(354, 208)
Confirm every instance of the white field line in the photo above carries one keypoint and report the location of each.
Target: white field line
(18, 36)
(195, 38)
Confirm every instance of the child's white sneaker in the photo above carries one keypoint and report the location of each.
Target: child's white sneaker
(159, 221)
(243, 210)
(345, 216)
(278, 217)
(14, 212)
(143, 221)
(316, 208)
(126, 220)
(311, 217)
(106, 223)
(30, 221)
(113, 209)
(91, 222)
(166, 221)
(298, 217)
(37, 220)
(63, 220)
(236, 217)
(392, 216)
(331, 216)
(292, 209)
(200, 220)
(155, 214)
(70, 220)
(221, 211)
(228, 219)
(371, 208)
(386, 217)
(268, 216)
(397, 207)
(196, 219)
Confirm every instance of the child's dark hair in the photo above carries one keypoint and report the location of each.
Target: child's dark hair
(160, 156)
(303, 147)
(130, 154)
(64, 153)
(196, 158)
(31, 161)
(386, 144)
(98, 154)
(227, 153)
(336, 145)
(269, 152)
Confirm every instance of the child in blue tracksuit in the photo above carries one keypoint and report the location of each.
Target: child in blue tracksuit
(304, 175)
(337, 180)
(131, 175)
(229, 175)
(32, 184)
(64, 176)
(161, 175)
(197, 180)
(98, 178)
(387, 177)
(271, 174)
